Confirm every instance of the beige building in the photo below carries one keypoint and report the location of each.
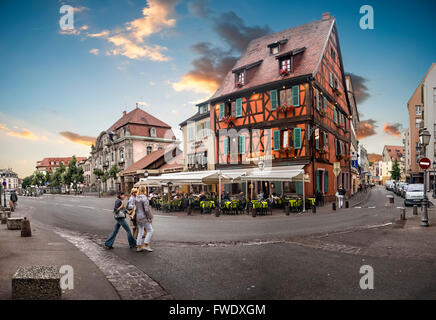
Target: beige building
(422, 114)
(389, 156)
(198, 141)
(136, 135)
(87, 171)
(10, 178)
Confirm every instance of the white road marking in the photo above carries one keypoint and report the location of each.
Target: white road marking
(158, 215)
(86, 207)
(358, 207)
(371, 207)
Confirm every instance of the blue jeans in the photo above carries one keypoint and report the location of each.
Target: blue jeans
(120, 222)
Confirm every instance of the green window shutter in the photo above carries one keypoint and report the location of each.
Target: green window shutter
(297, 138)
(222, 108)
(324, 100)
(326, 181)
(317, 143)
(317, 180)
(296, 96)
(242, 144)
(335, 115)
(239, 107)
(317, 99)
(226, 145)
(290, 138)
(274, 99)
(325, 139)
(276, 140)
(207, 127)
(331, 79)
(299, 187)
(336, 146)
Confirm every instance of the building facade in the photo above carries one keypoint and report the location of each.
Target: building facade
(421, 107)
(389, 156)
(134, 136)
(354, 146)
(10, 178)
(285, 104)
(51, 164)
(198, 141)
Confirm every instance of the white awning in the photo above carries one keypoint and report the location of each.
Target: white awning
(289, 173)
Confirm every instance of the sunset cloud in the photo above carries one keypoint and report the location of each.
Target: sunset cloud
(75, 31)
(94, 51)
(18, 133)
(129, 41)
(213, 62)
(393, 129)
(366, 128)
(79, 139)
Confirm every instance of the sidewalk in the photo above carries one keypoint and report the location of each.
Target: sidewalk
(47, 248)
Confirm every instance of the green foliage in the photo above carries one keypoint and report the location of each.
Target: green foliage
(105, 177)
(99, 173)
(113, 172)
(38, 178)
(56, 178)
(73, 174)
(27, 182)
(395, 172)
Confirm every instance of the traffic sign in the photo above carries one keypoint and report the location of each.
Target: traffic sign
(424, 163)
(4, 183)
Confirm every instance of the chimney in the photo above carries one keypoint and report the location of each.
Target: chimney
(124, 112)
(326, 16)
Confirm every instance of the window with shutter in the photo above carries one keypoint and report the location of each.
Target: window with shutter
(331, 79)
(276, 140)
(226, 146)
(296, 96)
(282, 98)
(336, 146)
(297, 138)
(317, 143)
(299, 187)
(317, 99)
(317, 180)
(274, 99)
(242, 144)
(325, 139)
(239, 107)
(326, 181)
(285, 138)
(289, 97)
(335, 115)
(291, 138)
(207, 127)
(222, 110)
(233, 110)
(324, 104)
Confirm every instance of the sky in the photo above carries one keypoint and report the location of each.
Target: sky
(60, 88)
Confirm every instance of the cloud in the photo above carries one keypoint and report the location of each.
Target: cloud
(234, 32)
(214, 62)
(94, 51)
(393, 129)
(79, 139)
(80, 9)
(129, 41)
(361, 91)
(366, 128)
(75, 31)
(19, 133)
(199, 8)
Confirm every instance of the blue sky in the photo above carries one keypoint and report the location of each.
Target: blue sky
(79, 83)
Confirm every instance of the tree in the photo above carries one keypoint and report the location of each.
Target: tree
(38, 178)
(395, 172)
(56, 179)
(104, 179)
(73, 174)
(27, 182)
(99, 174)
(113, 172)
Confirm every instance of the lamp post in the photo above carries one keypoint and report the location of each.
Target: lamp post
(424, 139)
(4, 193)
(434, 179)
(99, 186)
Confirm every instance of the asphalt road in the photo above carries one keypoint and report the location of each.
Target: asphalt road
(192, 261)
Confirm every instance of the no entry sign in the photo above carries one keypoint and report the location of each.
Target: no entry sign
(424, 163)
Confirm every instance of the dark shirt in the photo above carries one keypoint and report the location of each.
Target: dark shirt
(118, 203)
(342, 192)
(203, 197)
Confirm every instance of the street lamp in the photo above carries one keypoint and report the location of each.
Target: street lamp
(424, 139)
(99, 186)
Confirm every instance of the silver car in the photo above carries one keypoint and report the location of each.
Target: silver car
(414, 194)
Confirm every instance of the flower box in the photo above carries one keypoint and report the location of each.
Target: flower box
(322, 112)
(284, 108)
(239, 84)
(228, 119)
(284, 72)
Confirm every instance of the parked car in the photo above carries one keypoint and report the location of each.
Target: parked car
(389, 184)
(403, 190)
(414, 194)
(398, 188)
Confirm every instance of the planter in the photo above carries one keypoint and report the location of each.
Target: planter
(284, 72)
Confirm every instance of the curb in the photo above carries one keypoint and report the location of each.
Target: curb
(363, 200)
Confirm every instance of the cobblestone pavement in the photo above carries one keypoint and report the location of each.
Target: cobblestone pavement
(130, 282)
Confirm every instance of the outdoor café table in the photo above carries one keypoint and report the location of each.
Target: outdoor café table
(311, 201)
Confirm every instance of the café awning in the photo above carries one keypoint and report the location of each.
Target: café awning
(289, 173)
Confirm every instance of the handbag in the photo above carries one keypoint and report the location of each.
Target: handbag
(120, 214)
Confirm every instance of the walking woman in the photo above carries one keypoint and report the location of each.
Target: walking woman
(143, 220)
(341, 194)
(131, 211)
(120, 221)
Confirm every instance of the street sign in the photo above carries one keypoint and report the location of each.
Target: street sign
(424, 163)
(336, 168)
(4, 183)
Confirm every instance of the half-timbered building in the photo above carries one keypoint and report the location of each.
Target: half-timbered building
(284, 103)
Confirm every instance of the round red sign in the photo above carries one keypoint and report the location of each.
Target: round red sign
(424, 163)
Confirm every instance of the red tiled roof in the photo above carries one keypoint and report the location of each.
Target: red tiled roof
(46, 161)
(311, 36)
(144, 162)
(138, 116)
(176, 162)
(395, 152)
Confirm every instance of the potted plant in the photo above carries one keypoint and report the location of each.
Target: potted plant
(339, 156)
(284, 108)
(323, 150)
(322, 112)
(229, 119)
(239, 84)
(284, 72)
(336, 91)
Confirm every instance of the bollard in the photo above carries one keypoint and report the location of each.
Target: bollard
(26, 231)
(415, 210)
(287, 210)
(189, 210)
(217, 212)
(403, 213)
(313, 209)
(253, 212)
(334, 206)
(347, 204)
(3, 218)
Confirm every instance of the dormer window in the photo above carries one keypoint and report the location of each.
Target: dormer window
(275, 49)
(285, 65)
(240, 78)
(203, 108)
(153, 132)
